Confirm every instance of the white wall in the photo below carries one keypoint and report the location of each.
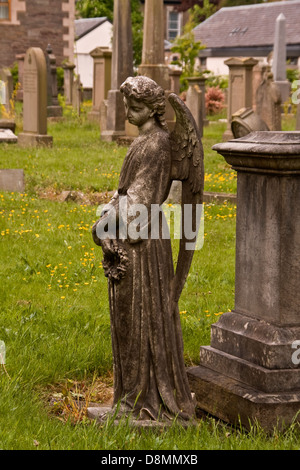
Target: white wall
(99, 37)
(217, 66)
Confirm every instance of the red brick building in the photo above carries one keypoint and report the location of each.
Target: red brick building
(36, 23)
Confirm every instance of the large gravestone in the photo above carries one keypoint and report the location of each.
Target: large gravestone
(194, 102)
(6, 88)
(12, 180)
(35, 100)
(54, 110)
(153, 54)
(239, 88)
(121, 68)
(68, 68)
(101, 79)
(251, 370)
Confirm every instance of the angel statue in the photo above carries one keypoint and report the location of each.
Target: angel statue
(150, 379)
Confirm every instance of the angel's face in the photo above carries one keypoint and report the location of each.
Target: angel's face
(137, 112)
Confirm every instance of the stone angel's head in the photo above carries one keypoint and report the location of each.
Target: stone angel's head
(145, 90)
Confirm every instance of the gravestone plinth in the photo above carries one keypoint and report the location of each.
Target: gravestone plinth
(251, 369)
(34, 100)
(239, 88)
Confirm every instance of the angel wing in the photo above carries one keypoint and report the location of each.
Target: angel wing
(188, 167)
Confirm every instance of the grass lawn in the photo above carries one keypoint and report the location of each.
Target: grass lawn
(54, 305)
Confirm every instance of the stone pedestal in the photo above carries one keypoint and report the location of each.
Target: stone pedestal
(153, 57)
(251, 370)
(239, 88)
(101, 79)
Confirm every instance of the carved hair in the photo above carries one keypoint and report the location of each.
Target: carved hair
(149, 92)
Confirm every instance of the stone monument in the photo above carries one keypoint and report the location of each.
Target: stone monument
(239, 88)
(153, 54)
(54, 110)
(20, 62)
(298, 117)
(68, 68)
(77, 94)
(101, 79)
(251, 370)
(194, 102)
(12, 180)
(121, 68)
(35, 100)
(268, 101)
(6, 89)
(279, 58)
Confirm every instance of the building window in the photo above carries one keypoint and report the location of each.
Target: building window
(4, 10)
(174, 25)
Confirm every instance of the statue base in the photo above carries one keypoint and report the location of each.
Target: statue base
(104, 413)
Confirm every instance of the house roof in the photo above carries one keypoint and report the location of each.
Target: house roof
(84, 26)
(250, 26)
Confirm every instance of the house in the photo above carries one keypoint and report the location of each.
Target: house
(32, 23)
(247, 31)
(89, 34)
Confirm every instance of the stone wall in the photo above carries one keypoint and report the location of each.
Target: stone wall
(37, 24)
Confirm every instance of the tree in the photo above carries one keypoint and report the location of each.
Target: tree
(96, 8)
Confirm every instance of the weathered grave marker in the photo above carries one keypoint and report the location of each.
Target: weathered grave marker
(35, 100)
(239, 88)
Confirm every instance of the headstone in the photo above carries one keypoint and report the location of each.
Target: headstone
(279, 58)
(298, 117)
(77, 95)
(194, 102)
(122, 67)
(101, 79)
(68, 68)
(245, 121)
(268, 101)
(6, 89)
(250, 372)
(7, 136)
(53, 108)
(35, 100)
(20, 61)
(239, 88)
(12, 180)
